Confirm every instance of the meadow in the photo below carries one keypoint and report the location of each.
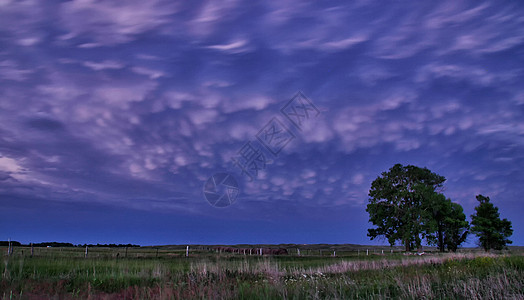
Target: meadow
(320, 272)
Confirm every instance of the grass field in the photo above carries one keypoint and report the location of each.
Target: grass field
(166, 273)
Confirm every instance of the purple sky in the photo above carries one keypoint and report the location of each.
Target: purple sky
(113, 116)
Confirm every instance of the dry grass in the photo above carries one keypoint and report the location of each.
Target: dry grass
(448, 276)
(352, 266)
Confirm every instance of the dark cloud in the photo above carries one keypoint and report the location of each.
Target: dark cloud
(45, 124)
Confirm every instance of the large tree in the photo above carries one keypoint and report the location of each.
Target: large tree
(493, 232)
(395, 204)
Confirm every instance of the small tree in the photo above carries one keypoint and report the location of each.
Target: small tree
(445, 221)
(456, 230)
(493, 232)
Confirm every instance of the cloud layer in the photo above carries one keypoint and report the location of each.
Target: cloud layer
(135, 105)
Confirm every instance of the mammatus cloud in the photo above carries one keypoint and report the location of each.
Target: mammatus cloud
(135, 105)
(104, 23)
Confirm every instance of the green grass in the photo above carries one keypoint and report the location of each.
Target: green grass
(144, 274)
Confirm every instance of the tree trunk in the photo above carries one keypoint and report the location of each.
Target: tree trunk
(418, 242)
(440, 239)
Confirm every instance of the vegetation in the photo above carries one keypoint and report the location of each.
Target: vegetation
(12, 243)
(164, 273)
(59, 244)
(493, 232)
(445, 221)
(405, 207)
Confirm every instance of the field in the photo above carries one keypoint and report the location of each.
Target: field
(352, 273)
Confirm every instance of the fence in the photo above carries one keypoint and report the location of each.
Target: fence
(191, 251)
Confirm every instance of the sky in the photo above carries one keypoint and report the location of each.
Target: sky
(115, 116)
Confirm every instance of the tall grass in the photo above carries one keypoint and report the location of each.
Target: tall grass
(210, 276)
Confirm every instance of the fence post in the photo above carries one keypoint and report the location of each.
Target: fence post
(298, 252)
(367, 251)
(382, 251)
(334, 253)
(187, 251)
(85, 255)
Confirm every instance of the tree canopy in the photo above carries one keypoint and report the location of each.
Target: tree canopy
(405, 206)
(445, 222)
(493, 232)
(395, 204)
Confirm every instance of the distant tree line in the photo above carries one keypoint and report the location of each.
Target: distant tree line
(58, 244)
(52, 244)
(110, 245)
(406, 205)
(13, 243)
